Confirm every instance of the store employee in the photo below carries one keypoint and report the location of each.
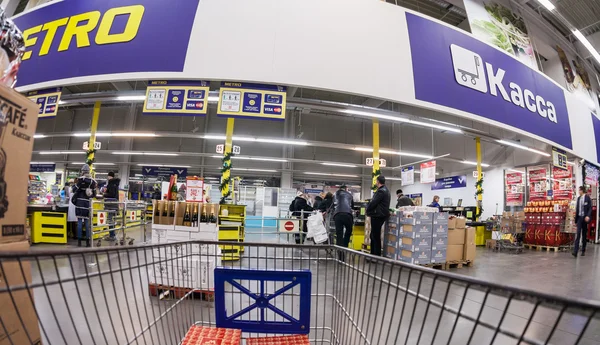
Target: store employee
(583, 215)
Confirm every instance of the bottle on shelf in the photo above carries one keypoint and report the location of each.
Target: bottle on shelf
(172, 214)
(165, 206)
(203, 218)
(157, 211)
(187, 218)
(174, 191)
(212, 218)
(195, 216)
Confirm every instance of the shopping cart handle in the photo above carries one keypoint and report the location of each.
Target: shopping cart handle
(262, 300)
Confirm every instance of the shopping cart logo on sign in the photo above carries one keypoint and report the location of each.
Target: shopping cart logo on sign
(468, 68)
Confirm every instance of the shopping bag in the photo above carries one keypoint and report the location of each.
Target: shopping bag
(316, 228)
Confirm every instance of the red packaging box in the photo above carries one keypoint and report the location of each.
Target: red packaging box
(283, 340)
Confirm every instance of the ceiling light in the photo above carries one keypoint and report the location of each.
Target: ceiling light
(546, 3)
(82, 163)
(163, 165)
(115, 134)
(144, 153)
(328, 174)
(260, 159)
(340, 165)
(131, 98)
(571, 163)
(41, 163)
(38, 136)
(400, 119)
(587, 44)
(392, 152)
(518, 171)
(214, 137)
(522, 147)
(475, 163)
(258, 170)
(393, 178)
(281, 141)
(61, 152)
(418, 172)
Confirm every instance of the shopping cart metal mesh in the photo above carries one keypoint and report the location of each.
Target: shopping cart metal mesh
(103, 296)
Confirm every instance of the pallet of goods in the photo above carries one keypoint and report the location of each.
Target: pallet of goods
(549, 225)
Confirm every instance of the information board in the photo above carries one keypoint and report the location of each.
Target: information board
(176, 97)
(559, 158)
(514, 188)
(164, 171)
(538, 184)
(450, 182)
(252, 100)
(47, 100)
(408, 176)
(562, 183)
(428, 172)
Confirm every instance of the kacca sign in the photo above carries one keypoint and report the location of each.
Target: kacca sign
(74, 38)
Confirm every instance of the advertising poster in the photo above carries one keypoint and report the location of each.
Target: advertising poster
(417, 198)
(538, 184)
(428, 172)
(514, 188)
(562, 183)
(450, 182)
(591, 174)
(194, 191)
(47, 100)
(577, 79)
(497, 23)
(179, 97)
(252, 100)
(408, 176)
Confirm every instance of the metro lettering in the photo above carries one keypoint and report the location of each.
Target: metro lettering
(81, 26)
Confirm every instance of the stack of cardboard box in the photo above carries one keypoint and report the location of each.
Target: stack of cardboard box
(512, 222)
(18, 120)
(422, 237)
(439, 242)
(461, 241)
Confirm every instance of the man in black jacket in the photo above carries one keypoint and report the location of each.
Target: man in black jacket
(111, 195)
(379, 211)
(403, 200)
(583, 215)
(342, 215)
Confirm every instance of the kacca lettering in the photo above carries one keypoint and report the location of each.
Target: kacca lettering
(522, 98)
(80, 28)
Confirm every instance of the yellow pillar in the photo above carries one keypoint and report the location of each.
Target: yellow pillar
(479, 177)
(375, 153)
(226, 174)
(92, 141)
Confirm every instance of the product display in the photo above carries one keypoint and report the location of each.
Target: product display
(37, 192)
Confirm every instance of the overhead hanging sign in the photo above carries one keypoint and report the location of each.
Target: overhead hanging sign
(559, 158)
(163, 171)
(72, 38)
(514, 188)
(194, 191)
(252, 100)
(42, 167)
(591, 174)
(562, 183)
(428, 172)
(538, 184)
(176, 97)
(449, 182)
(476, 78)
(382, 162)
(408, 175)
(97, 145)
(47, 100)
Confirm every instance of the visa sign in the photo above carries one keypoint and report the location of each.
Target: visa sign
(78, 38)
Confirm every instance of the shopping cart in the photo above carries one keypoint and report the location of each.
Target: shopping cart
(362, 300)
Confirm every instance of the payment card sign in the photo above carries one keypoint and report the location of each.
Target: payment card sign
(468, 68)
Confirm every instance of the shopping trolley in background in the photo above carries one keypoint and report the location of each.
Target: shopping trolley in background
(274, 290)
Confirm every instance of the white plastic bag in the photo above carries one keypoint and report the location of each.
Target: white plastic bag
(316, 228)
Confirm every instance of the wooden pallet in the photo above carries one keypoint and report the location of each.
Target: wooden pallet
(437, 266)
(540, 247)
(179, 292)
(459, 264)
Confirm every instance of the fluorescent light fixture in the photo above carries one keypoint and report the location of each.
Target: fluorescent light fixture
(587, 44)
(41, 163)
(259, 159)
(139, 175)
(258, 170)
(475, 163)
(418, 172)
(163, 165)
(400, 119)
(82, 163)
(340, 165)
(131, 98)
(522, 147)
(328, 174)
(392, 152)
(61, 102)
(132, 134)
(281, 141)
(518, 171)
(571, 163)
(62, 152)
(393, 179)
(144, 153)
(214, 137)
(546, 3)
(101, 173)
(38, 136)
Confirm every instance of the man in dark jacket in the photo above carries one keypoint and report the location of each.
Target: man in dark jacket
(379, 211)
(111, 195)
(299, 205)
(583, 215)
(343, 203)
(403, 200)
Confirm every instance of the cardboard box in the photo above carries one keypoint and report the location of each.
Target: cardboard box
(519, 215)
(469, 252)
(438, 256)
(391, 253)
(422, 229)
(415, 235)
(439, 243)
(394, 229)
(456, 236)
(440, 218)
(391, 240)
(452, 223)
(16, 142)
(454, 252)
(440, 229)
(416, 218)
(416, 244)
(22, 306)
(461, 223)
(167, 220)
(491, 244)
(470, 235)
(420, 257)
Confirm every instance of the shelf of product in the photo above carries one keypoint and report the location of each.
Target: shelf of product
(37, 191)
(549, 223)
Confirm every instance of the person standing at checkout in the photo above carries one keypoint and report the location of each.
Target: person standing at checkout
(379, 211)
(583, 215)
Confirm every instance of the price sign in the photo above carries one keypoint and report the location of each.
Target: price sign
(194, 190)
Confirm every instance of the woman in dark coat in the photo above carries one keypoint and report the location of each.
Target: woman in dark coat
(86, 189)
